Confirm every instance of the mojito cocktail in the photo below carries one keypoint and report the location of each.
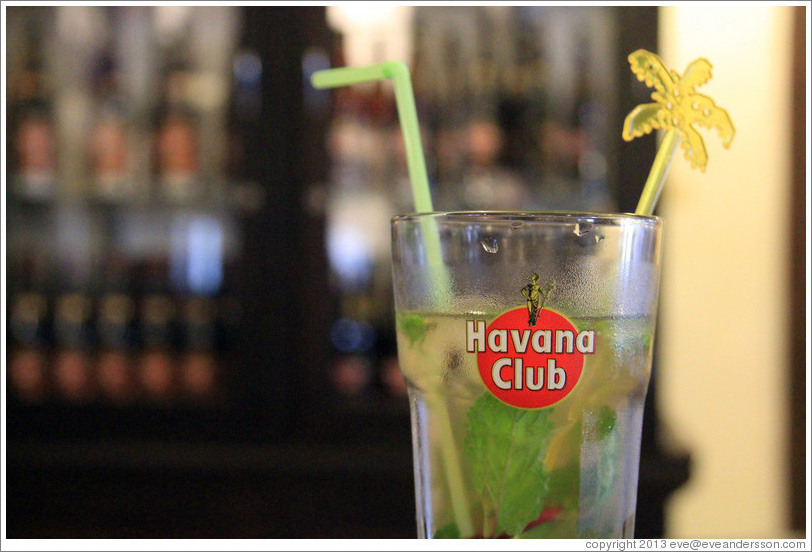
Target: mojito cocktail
(527, 348)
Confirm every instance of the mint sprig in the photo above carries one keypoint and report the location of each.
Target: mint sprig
(505, 447)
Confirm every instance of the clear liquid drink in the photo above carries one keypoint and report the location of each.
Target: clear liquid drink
(526, 343)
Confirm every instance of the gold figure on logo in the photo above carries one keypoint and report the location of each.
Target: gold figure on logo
(536, 297)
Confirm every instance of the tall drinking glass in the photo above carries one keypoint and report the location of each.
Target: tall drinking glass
(526, 342)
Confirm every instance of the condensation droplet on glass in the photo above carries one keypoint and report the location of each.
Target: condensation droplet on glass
(489, 244)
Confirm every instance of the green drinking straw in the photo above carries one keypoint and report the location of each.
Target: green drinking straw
(415, 161)
(676, 108)
(407, 113)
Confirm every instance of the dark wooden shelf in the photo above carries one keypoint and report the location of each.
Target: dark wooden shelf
(191, 490)
(292, 459)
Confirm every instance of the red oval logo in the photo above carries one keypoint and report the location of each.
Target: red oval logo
(529, 366)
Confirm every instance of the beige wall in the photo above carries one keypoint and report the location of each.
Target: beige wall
(723, 366)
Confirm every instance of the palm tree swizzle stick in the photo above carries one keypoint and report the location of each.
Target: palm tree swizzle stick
(676, 108)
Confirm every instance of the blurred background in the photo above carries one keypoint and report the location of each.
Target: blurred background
(199, 327)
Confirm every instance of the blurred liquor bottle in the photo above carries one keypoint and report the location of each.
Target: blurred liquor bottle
(198, 365)
(71, 369)
(177, 141)
(33, 166)
(110, 149)
(115, 331)
(114, 370)
(156, 371)
(28, 351)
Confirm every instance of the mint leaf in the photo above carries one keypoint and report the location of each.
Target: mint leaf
(506, 447)
(607, 418)
(450, 531)
(564, 486)
(413, 327)
(602, 466)
(610, 458)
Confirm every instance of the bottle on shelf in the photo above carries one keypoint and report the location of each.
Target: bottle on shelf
(177, 140)
(109, 146)
(198, 369)
(31, 273)
(114, 366)
(34, 142)
(28, 356)
(177, 156)
(71, 370)
(156, 370)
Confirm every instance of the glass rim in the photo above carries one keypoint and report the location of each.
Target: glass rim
(532, 216)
